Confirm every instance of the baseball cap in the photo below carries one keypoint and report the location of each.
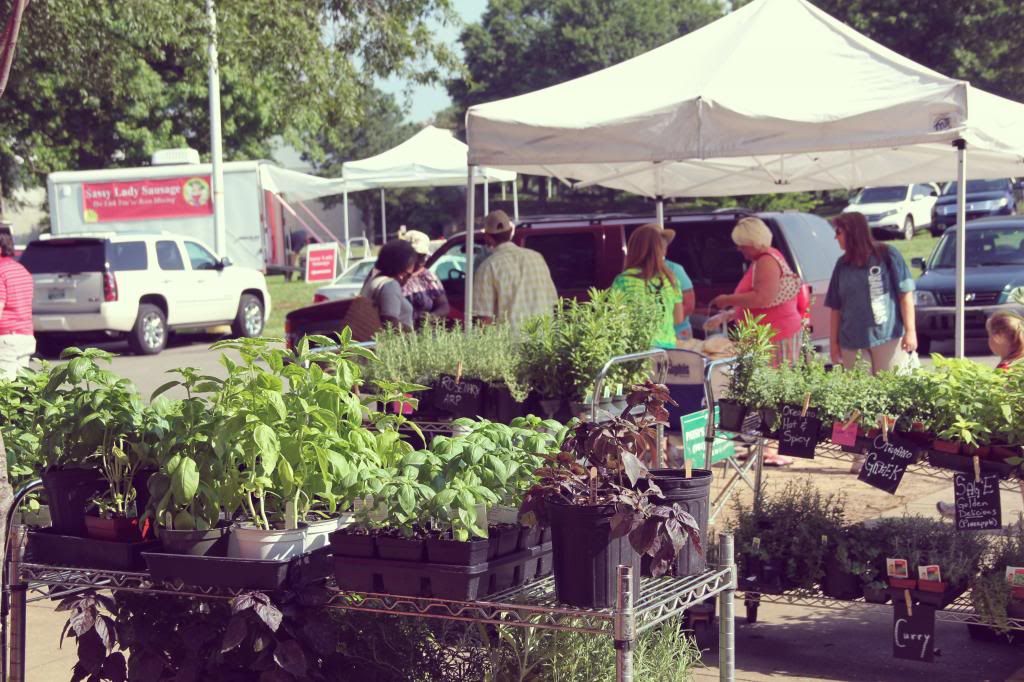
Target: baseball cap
(419, 241)
(497, 222)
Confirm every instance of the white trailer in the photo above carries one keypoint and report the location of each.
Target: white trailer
(177, 198)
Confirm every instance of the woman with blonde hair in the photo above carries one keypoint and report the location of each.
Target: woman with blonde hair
(646, 272)
(1006, 338)
(769, 288)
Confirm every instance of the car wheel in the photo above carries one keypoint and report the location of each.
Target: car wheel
(249, 318)
(908, 227)
(924, 345)
(149, 335)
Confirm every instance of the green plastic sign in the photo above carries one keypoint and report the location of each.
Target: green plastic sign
(693, 427)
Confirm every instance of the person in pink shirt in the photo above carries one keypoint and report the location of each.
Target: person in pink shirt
(770, 289)
(17, 344)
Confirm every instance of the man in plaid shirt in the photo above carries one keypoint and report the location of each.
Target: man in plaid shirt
(514, 283)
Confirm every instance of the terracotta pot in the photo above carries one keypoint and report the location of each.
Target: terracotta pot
(951, 447)
(1003, 452)
(976, 450)
(931, 586)
(902, 583)
(116, 529)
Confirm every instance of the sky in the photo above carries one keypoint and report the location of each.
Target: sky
(425, 101)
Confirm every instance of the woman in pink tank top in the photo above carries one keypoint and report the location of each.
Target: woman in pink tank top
(767, 280)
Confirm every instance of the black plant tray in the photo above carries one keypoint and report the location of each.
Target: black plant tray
(965, 464)
(939, 600)
(252, 574)
(48, 547)
(443, 581)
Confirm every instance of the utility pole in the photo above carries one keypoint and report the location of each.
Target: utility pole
(216, 150)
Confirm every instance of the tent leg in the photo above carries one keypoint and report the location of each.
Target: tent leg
(961, 243)
(487, 199)
(470, 246)
(344, 224)
(515, 200)
(660, 212)
(383, 220)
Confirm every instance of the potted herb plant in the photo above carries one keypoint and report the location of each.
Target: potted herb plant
(997, 595)
(587, 492)
(752, 343)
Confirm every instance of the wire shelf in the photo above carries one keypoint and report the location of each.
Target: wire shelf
(529, 605)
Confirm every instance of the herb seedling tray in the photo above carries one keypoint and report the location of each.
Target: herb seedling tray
(233, 572)
(442, 581)
(48, 547)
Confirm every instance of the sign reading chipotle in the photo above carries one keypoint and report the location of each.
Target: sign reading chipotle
(144, 199)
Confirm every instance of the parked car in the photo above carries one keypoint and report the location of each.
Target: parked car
(995, 267)
(138, 287)
(984, 198)
(347, 284)
(897, 210)
(589, 251)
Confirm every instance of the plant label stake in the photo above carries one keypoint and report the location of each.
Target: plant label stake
(290, 520)
(798, 433)
(977, 504)
(909, 602)
(913, 631)
(977, 468)
(458, 372)
(886, 463)
(807, 403)
(689, 469)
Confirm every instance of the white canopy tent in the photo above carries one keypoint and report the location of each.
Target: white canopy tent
(430, 158)
(775, 97)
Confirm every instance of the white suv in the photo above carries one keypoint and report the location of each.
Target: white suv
(137, 286)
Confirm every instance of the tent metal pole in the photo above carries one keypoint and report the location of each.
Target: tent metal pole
(220, 241)
(470, 247)
(660, 212)
(515, 200)
(383, 220)
(344, 219)
(961, 243)
(487, 199)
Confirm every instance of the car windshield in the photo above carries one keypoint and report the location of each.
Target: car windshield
(978, 186)
(357, 273)
(994, 246)
(878, 195)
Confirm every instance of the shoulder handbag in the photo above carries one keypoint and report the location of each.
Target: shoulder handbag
(789, 284)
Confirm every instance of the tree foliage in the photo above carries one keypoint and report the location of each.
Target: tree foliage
(98, 83)
(523, 45)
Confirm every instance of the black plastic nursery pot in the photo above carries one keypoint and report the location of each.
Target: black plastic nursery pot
(693, 495)
(586, 558)
(839, 583)
(503, 539)
(345, 542)
(965, 464)
(45, 546)
(764, 575)
(212, 542)
(67, 492)
(529, 536)
(457, 552)
(501, 407)
(401, 549)
(731, 415)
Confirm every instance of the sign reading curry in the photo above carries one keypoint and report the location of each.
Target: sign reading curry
(182, 197)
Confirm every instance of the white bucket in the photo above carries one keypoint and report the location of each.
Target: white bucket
(249, 542)
(317, 532)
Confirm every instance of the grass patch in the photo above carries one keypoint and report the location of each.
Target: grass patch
(920, 246)
(285, 297)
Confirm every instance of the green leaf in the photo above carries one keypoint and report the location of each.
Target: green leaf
(269, 448)
(185, 481)
(406, 500)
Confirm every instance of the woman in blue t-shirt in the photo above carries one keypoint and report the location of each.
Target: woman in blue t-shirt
(872, 299)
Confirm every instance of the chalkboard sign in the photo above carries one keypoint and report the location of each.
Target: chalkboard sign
(913, 636)
(886, 463)
(977, 503)
(798, 436)
(459, 398)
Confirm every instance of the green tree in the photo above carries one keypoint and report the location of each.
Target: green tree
(97, 83)
(523, 45)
